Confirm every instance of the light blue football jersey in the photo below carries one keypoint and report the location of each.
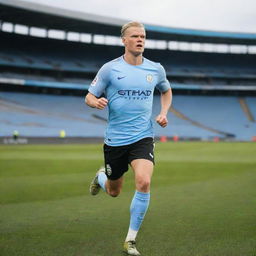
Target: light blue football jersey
(129, 90)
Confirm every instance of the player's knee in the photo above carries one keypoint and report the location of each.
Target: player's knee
(143, 185)
(113, 193)
(113, 188)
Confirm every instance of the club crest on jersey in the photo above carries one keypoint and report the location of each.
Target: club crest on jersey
(149, 78)
(94, 81)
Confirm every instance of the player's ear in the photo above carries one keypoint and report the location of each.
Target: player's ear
(123, 40)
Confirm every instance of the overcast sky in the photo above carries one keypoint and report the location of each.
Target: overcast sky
(218, 15)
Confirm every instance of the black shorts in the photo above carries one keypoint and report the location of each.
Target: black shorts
(118, 158)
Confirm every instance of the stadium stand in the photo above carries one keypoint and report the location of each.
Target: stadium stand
(37, 64)
(66, 57)
(46, 115)
(195, 117)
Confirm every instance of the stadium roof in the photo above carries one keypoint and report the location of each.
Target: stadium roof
(37, 15)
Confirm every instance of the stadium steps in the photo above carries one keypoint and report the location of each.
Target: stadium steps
(195, 123)
(246, 110)
(18, 108)
(98, 117)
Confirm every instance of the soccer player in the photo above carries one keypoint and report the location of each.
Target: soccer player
(128, 84)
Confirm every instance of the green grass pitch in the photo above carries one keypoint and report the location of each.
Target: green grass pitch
(203, 202)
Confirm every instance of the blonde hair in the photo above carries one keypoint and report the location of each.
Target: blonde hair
(131, 24)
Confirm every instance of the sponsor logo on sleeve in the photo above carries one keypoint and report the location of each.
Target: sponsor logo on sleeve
(94, 81)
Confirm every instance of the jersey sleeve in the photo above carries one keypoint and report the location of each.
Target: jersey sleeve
(100, 82)
(163, 84)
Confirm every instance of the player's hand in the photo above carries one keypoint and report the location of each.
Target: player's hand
(162, 120)
(101, 103)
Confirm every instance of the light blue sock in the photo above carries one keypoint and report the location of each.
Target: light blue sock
(138, 209)
(102, 178)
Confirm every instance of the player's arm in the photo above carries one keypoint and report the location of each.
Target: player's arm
(97, 88)
(166, 101)
(94, 102)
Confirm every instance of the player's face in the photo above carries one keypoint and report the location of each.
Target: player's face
(134, 40)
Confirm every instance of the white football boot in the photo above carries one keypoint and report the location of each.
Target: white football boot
(130, 248)
(95, 186)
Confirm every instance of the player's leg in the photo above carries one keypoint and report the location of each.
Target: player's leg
(143, 170)
(110, 177)
(101, 181)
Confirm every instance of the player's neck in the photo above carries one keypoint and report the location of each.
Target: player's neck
(133, 59)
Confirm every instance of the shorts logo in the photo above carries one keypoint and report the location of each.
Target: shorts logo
(149, 78)
(151, 155)
(108, 170)
(94, 81)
